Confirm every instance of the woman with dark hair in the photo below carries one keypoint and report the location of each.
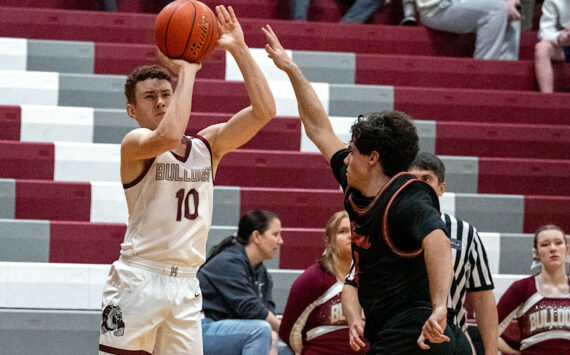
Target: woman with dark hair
(313, 322)
(541, 303)
(236, 288)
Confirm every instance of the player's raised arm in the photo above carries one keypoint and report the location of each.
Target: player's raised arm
(245, 124)
(313, 115)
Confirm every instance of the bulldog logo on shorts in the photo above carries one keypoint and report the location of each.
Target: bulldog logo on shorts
(113, 320)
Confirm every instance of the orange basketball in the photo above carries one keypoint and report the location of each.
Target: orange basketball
(186, 29)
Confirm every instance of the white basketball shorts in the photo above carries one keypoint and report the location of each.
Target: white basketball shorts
(151, 308)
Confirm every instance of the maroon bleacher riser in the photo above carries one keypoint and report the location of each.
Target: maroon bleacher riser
(100, 243)
(83, 242)
(10, 122)
(212, 95)
(27, 160)
(371, 69)
(120, 59)
(57, 4)
(301, 247)
(281, 133)
(524, 176)
(477, 105)
(539, 210)
(502, 140)
(138, 28)
(260, 168)
(423, 71)
(301, 170)
(319, 10)
(53, 200)
(292, 205)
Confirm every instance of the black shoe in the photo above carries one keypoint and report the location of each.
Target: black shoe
(409, 21)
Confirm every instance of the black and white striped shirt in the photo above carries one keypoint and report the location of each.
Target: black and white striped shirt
(470, 265)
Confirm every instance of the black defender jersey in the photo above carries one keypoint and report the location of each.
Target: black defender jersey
(387, 233)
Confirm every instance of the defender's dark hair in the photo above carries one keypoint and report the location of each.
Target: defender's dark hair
(431, 162)
(256, 220)
(142, 73)
(392, 134)
(547, 227)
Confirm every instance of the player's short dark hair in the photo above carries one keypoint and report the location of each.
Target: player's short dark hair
(392, 134)
(547, 227)
(431, 162)
(142, 73)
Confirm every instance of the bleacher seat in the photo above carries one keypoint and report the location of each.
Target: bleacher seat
(331, 67)
(56, 24)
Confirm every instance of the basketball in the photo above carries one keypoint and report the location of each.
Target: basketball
(186, 29)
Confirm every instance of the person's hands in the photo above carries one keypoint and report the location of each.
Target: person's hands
(564, 38)
(356, 334)
(513, 13)
(275, 50)
(231, 33)
(176, 65)
(433, 328)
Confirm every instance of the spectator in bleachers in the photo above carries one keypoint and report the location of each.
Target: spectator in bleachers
(471, 268)
(359, 12)
(496, 24)
(554, 45)
(540, 303)
(237, 289)
(152, 300)
(401, 272)
(313, 322)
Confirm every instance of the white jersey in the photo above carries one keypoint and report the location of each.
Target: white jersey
(170, 207)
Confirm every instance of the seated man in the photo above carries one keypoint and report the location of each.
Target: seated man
(554, 45)
(496, 24)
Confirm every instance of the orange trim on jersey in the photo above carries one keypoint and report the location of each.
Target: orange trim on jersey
(362, 211)
(386, 233)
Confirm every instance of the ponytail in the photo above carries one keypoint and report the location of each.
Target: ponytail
(256, 220)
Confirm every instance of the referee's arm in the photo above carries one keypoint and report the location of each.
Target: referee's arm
(485, 309)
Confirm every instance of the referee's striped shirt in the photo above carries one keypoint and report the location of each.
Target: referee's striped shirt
(470, 265)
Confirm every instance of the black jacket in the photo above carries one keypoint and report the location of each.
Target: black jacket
(233, 289)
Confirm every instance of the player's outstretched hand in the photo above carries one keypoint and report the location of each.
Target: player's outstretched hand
(356, 335)
(433, 328)
(175, 65)
(275, 50)
(231, 33)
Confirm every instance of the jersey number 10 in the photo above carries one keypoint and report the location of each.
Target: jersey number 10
(183, 199)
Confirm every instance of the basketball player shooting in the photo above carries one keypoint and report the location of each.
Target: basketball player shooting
(152, 300)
